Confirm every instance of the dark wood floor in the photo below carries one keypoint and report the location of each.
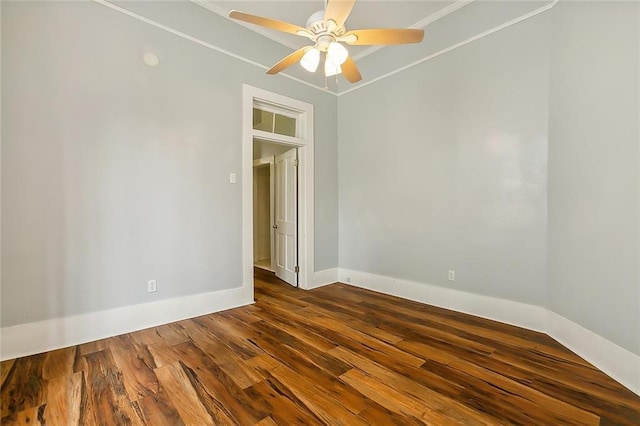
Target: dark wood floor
(335, 355)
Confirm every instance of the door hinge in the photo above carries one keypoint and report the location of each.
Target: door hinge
(296, 162)
(296, 269)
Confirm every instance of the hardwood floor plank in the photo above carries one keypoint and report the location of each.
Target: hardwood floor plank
(376, 414)
(393, 400)
(31, 416)
(58, 363)
(483, 328)
(569, 373)
(421, 311)
(75, 389)
(271, 335)
(23, 388)
(157, 409)
(284, 410)
(163, 354)
(91, 347)
(263, 364)
(289, 359)
(217, 388)
(267, 421)
(217, 410)
(85, 412)
(246, 314)
(106, 390)
(5, 368)
(438, 333)
(435, 401)
(136, 364)
(565, 412)
(61, 399)
(172, 334)
(291, 327)
(390, 337)
(215, 331)
(239, 371)
(183, 397)
(316, 399)
(308, 325)
(333, 355)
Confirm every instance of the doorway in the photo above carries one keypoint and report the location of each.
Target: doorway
(275, 209)
(263, 213)
(279, 120)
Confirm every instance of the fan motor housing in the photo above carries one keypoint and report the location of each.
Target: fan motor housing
(316, 21)
(318, 26)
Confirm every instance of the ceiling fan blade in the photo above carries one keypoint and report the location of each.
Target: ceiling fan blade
(350, 70)
(274, 24)
(289, 60)
(376, 36)
(338, 11)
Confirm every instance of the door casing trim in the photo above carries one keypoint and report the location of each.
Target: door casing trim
(306, 224)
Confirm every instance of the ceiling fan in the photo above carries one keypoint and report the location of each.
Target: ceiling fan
(326, 30)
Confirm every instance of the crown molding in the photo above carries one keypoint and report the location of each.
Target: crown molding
(201, 42)
(423, 23)
(454, 46)
(212, 7)
(432, 18)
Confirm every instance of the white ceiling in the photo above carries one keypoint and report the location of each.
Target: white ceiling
(365, 14)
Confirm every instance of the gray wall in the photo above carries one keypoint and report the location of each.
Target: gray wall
(114, 173)
(443, 166)
(594, 141)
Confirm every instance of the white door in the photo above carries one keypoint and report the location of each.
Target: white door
(286, 212)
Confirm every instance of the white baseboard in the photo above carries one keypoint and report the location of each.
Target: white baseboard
(36, 337)
(322, 278)
(31, 338)
(516, 313)
(617, 362)
(620, 364)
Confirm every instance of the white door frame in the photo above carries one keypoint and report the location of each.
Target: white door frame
(304, 142)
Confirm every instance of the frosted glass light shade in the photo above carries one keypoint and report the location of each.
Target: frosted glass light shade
(310, 60)
(337, 53)
(331, 68)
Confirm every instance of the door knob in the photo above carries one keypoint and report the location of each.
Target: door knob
(275, 226)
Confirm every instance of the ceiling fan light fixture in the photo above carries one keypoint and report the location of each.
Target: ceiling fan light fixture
(337, 53)
(331, 68)
(310, 60)
(326, 29)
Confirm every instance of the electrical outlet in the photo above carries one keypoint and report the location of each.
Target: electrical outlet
(348, 279)
(452, 275)
(152, 286)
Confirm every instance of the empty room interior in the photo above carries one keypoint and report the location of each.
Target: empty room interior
(320, 212)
